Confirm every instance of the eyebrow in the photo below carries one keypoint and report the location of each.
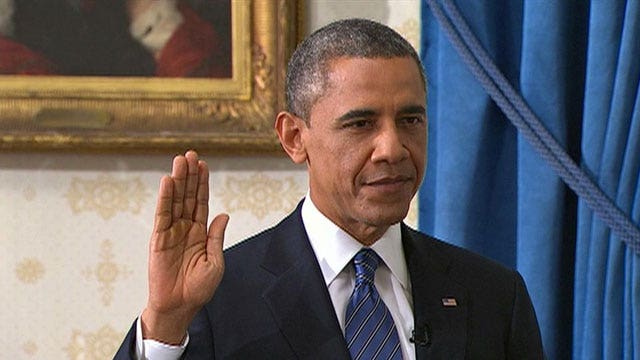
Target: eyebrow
(355, 114)
(363, 113)
(413, 109)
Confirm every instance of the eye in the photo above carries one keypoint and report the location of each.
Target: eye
(358, 124)
(412, 120)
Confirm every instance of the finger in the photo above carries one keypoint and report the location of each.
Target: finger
(216, 236)
(191, 185)
(179, 176)
(201, 212)
(162, 218)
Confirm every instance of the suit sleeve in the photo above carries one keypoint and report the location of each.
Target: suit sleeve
(127, 350)
(524, 339)
(200, 345)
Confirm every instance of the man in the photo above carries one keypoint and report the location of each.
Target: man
(306, 288)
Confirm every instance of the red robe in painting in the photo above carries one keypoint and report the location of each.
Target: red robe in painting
(17, 59)
(193, 50)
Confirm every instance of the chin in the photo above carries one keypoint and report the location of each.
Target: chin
(388, 216)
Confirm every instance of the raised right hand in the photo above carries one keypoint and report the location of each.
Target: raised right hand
(185, 260)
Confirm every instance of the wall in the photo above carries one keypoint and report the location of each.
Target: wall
(74, 227)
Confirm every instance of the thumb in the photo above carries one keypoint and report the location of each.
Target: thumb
(216, 235)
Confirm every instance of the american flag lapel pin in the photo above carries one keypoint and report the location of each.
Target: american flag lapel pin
(449, 302)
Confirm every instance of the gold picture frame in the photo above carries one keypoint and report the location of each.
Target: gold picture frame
(232, 116)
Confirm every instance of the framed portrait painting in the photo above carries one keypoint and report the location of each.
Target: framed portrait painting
(144, 75)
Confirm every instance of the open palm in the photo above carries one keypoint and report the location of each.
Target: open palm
(185, 259)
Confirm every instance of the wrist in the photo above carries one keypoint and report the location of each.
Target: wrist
(170, 329)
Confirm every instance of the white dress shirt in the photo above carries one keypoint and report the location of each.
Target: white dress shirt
(334, 249)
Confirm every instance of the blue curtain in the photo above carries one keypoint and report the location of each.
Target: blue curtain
(577, 65)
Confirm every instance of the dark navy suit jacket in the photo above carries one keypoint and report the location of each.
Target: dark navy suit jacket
(272, 303)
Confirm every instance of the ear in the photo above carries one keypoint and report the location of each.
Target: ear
(289, 128)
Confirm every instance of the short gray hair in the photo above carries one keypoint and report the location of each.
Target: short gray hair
(358, 38)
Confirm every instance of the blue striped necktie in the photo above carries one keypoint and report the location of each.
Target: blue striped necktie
(369, 328)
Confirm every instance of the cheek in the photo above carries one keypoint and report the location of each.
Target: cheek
(418, 149)
(353, 164)
(340, 160)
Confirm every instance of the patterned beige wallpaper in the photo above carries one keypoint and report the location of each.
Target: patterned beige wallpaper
(74, 228)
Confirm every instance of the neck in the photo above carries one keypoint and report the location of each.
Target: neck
(365, 234)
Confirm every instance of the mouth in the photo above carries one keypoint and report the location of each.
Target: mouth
(390, 183)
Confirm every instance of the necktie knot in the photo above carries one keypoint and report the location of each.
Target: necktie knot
(365, 263)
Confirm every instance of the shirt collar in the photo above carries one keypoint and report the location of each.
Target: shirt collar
(334, 248)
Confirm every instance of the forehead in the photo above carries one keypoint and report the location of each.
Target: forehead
(355, 67)
(371, 82)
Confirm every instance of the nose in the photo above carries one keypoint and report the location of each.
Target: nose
(389, 145)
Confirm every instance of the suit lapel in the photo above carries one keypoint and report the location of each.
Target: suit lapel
(298, 298)
(302, 308)
(440, 304)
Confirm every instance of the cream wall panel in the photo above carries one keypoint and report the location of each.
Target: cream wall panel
(73, 245)
(402, 15)
(74, 228)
